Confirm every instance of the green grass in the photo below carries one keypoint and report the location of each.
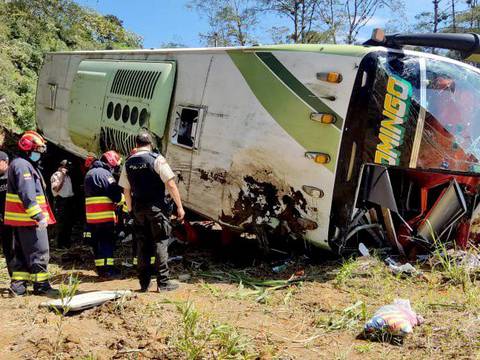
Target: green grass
(248, 287)
(198, 336)
(67, 291)
(346, 271)
(347, 319)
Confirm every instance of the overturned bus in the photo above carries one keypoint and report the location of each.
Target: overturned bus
(331, 144)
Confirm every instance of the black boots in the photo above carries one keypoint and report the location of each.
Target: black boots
(144, 283)
(45, 289)
(167, 286)
(18, 288)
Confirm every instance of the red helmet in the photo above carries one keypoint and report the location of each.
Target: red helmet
(32, 141)
(90, 159)
(112, 158)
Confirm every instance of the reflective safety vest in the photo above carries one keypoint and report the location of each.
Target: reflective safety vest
(100, 209)
(17, 215)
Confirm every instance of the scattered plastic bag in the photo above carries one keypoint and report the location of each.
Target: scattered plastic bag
(401, 269)
(363, 250)
(393, 321)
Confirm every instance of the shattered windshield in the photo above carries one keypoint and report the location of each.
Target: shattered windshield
(451, 132)
(429, 113)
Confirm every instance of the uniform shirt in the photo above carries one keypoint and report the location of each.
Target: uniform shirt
(3, 194)
(66, 190)
(161, 168)
(27, 182)
(99, 181)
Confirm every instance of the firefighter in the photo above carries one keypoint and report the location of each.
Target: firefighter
(144, 178)
(28, 212)
(102, 194)
(87, 235)
(5, 231)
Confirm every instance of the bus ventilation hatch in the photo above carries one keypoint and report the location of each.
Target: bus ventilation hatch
(113, 139)
(135, 83)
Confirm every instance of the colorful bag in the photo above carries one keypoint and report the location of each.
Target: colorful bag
(395, 319)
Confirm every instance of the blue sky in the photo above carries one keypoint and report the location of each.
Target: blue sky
(162, 21)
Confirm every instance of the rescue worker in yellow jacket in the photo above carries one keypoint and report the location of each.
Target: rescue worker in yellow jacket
(102, 194)
(28, 212)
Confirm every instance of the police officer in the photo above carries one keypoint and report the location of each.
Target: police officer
(144, 178)
(28, 212)
(102, 194)
(5, 231)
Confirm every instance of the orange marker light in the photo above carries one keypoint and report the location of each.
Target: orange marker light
(323, 118)
(322, 158)
(318, 157)
(331, 77)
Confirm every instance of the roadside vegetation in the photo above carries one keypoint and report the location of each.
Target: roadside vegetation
(31, 28)
(226, 312)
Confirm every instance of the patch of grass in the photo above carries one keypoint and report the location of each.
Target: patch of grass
(211, 289)
(364, 348)
(119, 305)
(347, 319)
(346, 271)
(67, 291)
(88, 357)
(452, 271)
(198, 337)
(248, 287)
(288, 296)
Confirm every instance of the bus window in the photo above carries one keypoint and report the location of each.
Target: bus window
(451, 135)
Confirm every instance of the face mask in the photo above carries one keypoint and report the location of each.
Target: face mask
(35, 156)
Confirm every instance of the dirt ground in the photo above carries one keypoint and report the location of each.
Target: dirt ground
(223, 311)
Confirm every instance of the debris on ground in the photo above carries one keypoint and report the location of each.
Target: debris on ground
(282, 266)
(392, 322)
(363, 250)
(401, 269)
(84, 301)
(469, 260)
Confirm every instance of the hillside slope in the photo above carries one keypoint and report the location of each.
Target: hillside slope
(29, 29)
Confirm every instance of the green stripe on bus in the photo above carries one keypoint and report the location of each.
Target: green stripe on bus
(288, 110)
(297, 87)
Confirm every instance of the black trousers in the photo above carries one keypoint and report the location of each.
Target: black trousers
(31, 254)
(152, 231)
(64, 214)
(6, 235)
(103, 240)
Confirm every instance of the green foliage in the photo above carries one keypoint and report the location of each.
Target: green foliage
(196, 336)
(451, 270)
(231, 22)
(347, 319)
(29, 29)
(346, 271)
(67, 292)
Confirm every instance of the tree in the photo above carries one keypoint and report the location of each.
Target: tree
(29, 29)
(468, 20)
(303, 15)
(425, 21)
(360, 12)
(332, 18)
(232, 22)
